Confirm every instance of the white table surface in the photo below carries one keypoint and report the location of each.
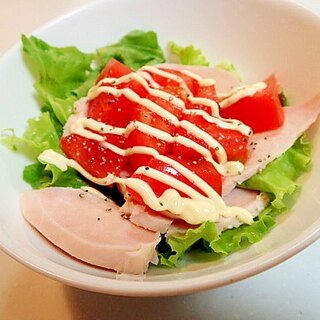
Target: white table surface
(290, 290)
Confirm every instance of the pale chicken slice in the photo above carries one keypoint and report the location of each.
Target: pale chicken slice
(89, 228)
(267, 146)
(253, 201)
(140, 216)
(225, 81)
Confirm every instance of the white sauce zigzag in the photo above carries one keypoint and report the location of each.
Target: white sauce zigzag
(195, 209)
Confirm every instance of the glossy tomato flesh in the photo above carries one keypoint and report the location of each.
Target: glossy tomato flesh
(262, 111)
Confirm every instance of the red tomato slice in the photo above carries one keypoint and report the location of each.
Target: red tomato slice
(98, 160)
(138, 138)
(234, 142)
(114, 69)
(205, 170)
(154, 120)
(116, 111)
(202, 168)
(262, 111)
(208, 92)
(164, 82)
(198, 106)
(178, 92)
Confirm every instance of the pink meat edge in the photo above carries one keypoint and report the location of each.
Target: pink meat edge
(81, 239)
(267, 146)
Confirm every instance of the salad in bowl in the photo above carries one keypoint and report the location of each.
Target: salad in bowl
(139, 162)
(148, 158)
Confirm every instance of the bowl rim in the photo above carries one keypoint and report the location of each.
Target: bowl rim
(167, 287)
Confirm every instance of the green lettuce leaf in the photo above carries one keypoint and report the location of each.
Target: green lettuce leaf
(230, 67)
(188, 55)
(237, 238)
(136, 49)
(181, 243)
(59, 71)
(279, 177)
(63, 75)
(40, 175)
(41, 134)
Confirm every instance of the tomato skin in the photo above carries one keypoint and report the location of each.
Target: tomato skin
(115, 111)
(154, 120)
(191, 83)
(178, 92)
(208, 92)
(139, 138)
(167, 105)
(114, 69)
(262, 111)
(233, 141)
(119, 111)
(204, 169)
(94, 157)
(198, 106)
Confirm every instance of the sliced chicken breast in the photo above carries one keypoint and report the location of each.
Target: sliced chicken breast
(90, 229)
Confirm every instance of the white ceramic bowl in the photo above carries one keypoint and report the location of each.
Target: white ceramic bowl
(259, 37)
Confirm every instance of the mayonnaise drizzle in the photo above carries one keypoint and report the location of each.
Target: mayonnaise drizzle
(241, 92)
(142, 79)
(198, 207)
(224, 167)
(201, 81)
(194, 210)
(207, 138)
(131, 95)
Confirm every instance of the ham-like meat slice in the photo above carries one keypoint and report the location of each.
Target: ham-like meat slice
(89, 228)
(267, 146)
(225, 81)
(251, 200)
(124, 239)
(140, 216)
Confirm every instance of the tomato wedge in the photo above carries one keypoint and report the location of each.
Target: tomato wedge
(234, 142)
(204, 169)
(115, 111)
(114, 69)
(95, 158)
(262, 111)
(145, 127)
